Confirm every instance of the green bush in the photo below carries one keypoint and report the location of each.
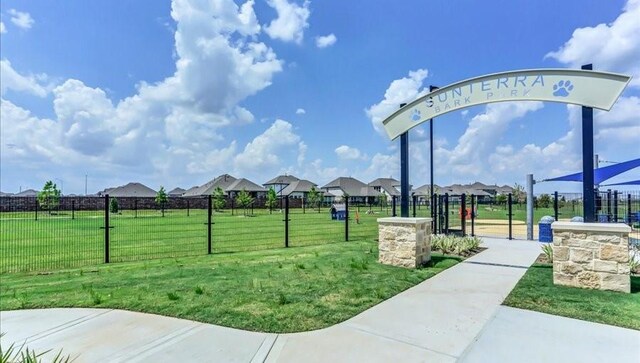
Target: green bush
(448, 244)
(113, 206)
(548, 252)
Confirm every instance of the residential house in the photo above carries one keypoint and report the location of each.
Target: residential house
(241, 184)
(423, 193)
(27, 193)
(357, 191)
(222, 181)
(129, 190)
(176, 192)
(387, 187)
(280, 182)
(299, 189)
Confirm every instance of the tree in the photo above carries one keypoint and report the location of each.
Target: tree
(244, 200)
(113, 205)
(314, 197)
(382, 200)
(544, 201)
(162, 199)
(218, 199)
(272, 199)
(501, 199)
(519, 194)
(49, 197)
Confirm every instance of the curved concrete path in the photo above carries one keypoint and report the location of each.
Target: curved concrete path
(453, 316)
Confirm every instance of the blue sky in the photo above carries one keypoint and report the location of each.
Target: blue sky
(175, 93)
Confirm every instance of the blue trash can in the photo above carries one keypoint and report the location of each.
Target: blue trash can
(545, 234)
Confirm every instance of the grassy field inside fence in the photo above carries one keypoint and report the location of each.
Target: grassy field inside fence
(63, 240)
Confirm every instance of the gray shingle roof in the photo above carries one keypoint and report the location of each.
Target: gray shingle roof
(131, 190)
(27, 193)
(351, 186)
(223, 181)
(299, 186)
(282, 179)
(387, 184)
(176, 192)
(425, 189)
(244, 184)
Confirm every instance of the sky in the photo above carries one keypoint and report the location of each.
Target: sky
(174, 93)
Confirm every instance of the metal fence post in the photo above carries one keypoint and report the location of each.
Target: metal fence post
(446, 213)
(609, 212)
(106, 228)
(434, 213)
(629, 208)
(414, 205)
(346, 220)
(463, 213)
(36, 209)
(209, 217)
(135, 208)
(473, 214)
(393, 206)
(555, 206)
(188, 204)
(510, 201)
(73, 209)
(286, 221)
(615, 206)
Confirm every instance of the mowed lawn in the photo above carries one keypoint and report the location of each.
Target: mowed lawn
(536, 291)
(62, 240)
(277, 290)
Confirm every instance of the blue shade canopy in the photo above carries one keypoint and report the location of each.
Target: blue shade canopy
(602, 174)
(633, 182)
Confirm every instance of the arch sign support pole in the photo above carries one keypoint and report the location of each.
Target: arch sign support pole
(582, 87)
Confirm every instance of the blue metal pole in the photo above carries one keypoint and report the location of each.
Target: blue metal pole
(404, 173)
(587, 161)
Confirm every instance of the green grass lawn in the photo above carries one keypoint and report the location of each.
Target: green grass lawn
(536, 291)
(279, 290)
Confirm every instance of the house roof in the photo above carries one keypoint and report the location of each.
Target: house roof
(299, 186)
(282, 179)
(3, 194)
(351, 186)
(244, 184)
(131, 190)
(27, 193)
(425, 189)
(176, 191)
(223, 181)
(388, 184)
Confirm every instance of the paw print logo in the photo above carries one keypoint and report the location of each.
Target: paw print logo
(562, 88)
(415, 116)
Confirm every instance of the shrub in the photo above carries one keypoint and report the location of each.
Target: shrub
(548, 252)
(451, 244)
(113, 206)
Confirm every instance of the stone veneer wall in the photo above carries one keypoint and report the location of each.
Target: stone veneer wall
(404, 242)
(591, 255)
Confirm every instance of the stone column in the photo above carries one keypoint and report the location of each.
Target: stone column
(591, 255)
(404, 242)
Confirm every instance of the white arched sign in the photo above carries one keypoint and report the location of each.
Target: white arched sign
(580, 87)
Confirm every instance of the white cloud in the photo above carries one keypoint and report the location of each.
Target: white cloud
(3, 29)
(302, 153)
(20, 19)
(326, 41)
(10, 79)
(262, 153)
(300, 111)
(399, 91)
(612, 47)
(291, 22)
(345, 152)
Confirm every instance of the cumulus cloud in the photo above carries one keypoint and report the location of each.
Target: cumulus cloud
(20, 19)
(612, 47)
(3, 29)
(345, 152)
(399, 91)
(326, 41)
(10, 79)
(291, 22)
(262, 153)
(300, 111)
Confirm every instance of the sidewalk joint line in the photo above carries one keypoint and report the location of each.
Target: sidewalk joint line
(496, 264)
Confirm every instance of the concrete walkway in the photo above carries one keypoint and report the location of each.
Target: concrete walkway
(455, 315)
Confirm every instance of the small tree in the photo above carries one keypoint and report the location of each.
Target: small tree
(162, 199)
(501, 199)
(518, 194)
(314, 197)
(244, 200)
(218, 199)
(272, 199)
(113, 206)
(49, 197)
(544, 201)
(382, 200)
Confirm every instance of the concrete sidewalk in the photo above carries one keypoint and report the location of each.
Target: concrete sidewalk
(438, 320)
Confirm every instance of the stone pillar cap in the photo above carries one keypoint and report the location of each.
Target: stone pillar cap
(401, 220)
(591, 227)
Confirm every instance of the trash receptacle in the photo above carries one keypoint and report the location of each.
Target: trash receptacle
(577, 219)
(544, 229)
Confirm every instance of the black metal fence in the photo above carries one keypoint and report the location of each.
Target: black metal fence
(107, 230)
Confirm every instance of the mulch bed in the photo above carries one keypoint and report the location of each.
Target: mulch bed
(542, 259)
